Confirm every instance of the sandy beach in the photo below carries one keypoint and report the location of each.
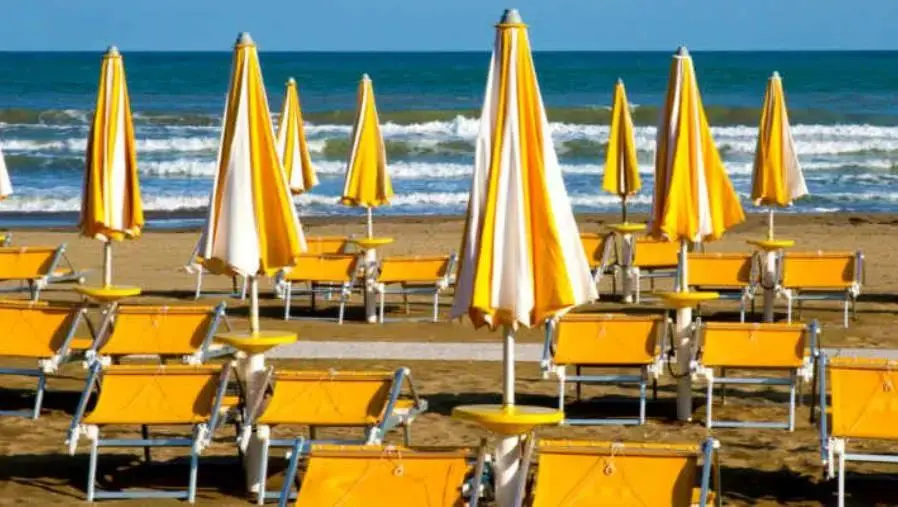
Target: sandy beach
(758, 466)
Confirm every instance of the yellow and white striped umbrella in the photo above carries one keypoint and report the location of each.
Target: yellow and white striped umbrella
(5, 183)
(367, 181)
(292, 146)
(252, 227)
(694, 199)
(111, 208)
(777, 179)
(621, 167)
(521, 259)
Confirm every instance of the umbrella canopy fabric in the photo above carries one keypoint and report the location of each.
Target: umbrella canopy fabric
(621, 168)
(367, 180)
(694, 199)
(5, 184)
(252, 227)
(777, 179)
(521, 258)
(111, 208)
(292, 146)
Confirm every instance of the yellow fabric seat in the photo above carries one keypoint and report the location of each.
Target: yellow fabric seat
(136, 330)
(385, 475)
(732, 275)
(604, 340)
(820, 275)
(43, 332)
(651, 259)
(768, 348)
(326, 274)
(36, 265)
(414, 275)
(319, 245)
(620, 474)
(349, 399)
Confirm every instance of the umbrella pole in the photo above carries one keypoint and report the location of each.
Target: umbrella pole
(770, 222)
(107, 263)
(682, 336)
(508, 452)
(254, 304)
(370, 223)
(624, 208)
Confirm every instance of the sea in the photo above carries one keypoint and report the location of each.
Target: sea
(843, 108)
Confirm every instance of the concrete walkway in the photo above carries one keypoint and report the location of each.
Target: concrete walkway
(461, 351)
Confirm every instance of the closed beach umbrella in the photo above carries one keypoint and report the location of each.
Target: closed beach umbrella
(694, 200)
(111, 209)
(621, 168)
(292, 146)
(521, 258)
(776, 178)
(252, 228)
(367, 181)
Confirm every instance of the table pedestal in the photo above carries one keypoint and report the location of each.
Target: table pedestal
(624, 232)
(369, 246)
(770, 249)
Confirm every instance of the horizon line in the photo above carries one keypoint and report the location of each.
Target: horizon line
(459, 51)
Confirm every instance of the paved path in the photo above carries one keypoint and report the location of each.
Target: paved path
(459, 351)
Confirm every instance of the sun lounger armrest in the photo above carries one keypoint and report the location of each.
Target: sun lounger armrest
(292, 468)
(526, 460)
(860, 272)
(545, 363)
(218, 315)
(450, 268)
(710, 466)
(63, 352)
(205, 431)
(102, 335)
(387, 420)
(821, 395)
(75, 427)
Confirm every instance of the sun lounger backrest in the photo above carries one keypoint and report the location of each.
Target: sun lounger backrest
(594, 246)
(754, 345)
(326, 245)
(725, 270)
(27, 263)
(614, 474)
(650, 253)
(864, 397)
(323, 268)
(158, 330)
(379, 475)
(413, 269)
(607, 339)
(33, 329)
(819, 270)
(171, 394)
(327, 398)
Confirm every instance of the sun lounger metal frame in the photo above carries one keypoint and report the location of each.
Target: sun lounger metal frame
(604, 263)
(48, 366)
(434, 290)
(202, 354)
(803, 373)
(849, 295)
(650, 371)
(200, 438)
(374, 434)
(343, 289)
(472, 489)
(834, 450)
(710, 470)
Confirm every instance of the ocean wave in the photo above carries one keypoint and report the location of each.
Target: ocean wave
(171, 144)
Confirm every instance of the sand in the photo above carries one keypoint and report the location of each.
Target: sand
(758, 466)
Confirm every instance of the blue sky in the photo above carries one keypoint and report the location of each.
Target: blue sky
(449, 24)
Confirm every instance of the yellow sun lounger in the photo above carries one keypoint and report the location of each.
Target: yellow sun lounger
(161, 395)
(36, 267)
(184, 332)
(600, 254)
(767, 348)
(366, 400)
(413, 275)
(602, 341)
(621, 474)
(199, 266)
(810, 276)
(320, 245)
(863, 406)
(652, 259)
(323, 274)
(381, 475)
(43, 332)
(732, 275)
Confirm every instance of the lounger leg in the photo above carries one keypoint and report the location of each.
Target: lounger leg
(92, 470)
(263, 471)
(561, 392)
(145, 434)
(654, 389)
(792, 402)
(436, 306)
(405, 302)
(39, 395)
(708, 403)
(578, 386)
(642, 397)
(313, 297)
(342, 307)
(199, 284)
(407, 433)
(723, 387)
(288, 295)
(191, 487)
(381, 296)
(789, 310)
(841, 479)
(845, 315)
